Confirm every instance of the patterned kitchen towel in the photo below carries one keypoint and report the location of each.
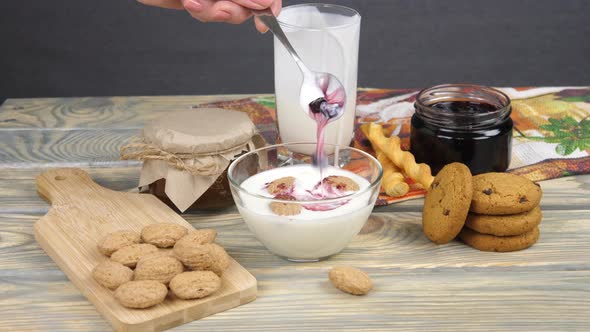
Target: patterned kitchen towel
(551, 127)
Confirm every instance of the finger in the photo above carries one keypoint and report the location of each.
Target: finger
(171, 4)
(231, 12)
(199, 9)
(261, 27)
(254, 4)
(275, 7)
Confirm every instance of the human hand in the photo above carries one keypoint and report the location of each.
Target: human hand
(229, 11)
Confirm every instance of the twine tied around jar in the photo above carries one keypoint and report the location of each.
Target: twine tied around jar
(204, 164)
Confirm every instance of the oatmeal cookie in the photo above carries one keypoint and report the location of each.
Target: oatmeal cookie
(141, 294)
(160, 268)
(195, 284)
(163, 235)
(350, 280)
(112, 274)
(130, 255)
(117, 240)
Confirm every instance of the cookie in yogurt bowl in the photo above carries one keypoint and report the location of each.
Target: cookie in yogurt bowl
(299, 210)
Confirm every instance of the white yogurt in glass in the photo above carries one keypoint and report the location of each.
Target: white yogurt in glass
(310, 235)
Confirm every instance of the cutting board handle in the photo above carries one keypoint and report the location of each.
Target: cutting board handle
(65, 184)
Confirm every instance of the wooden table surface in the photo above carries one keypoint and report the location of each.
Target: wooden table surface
(419, 286)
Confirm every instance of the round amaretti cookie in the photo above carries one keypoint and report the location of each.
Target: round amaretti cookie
(197, 237)
(504, 193)
(163, 235)
(158, 267)
(112, 274)
(447, 203)
(195, 284)
(350, 280)
(507, 225)
(486, 242)
(206, 257)
(141, 294)
(130, 255)
(117, 240)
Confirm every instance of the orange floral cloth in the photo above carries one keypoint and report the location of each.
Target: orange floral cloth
(551, 127)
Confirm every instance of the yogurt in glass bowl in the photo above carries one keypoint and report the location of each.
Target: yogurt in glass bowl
(323, 215)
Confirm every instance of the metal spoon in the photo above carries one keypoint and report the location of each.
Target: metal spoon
(316, 85)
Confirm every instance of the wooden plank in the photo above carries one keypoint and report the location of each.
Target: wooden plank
(95, 112)
(83, 212)
(34, 148)
(418, 285)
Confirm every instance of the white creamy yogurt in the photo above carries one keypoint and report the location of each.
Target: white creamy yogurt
(311, 234)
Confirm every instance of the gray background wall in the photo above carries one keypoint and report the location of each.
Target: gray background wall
(119, 47)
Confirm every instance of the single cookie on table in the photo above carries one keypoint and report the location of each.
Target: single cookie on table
(141, 294)
(112, 274)
(486, 242)
(350, 280)
(504, 193)
(163, 235)
(117, 240)
(507, 225)
(195, 284)
(206, 257)
(197, 237)
(156, 267)
(130, 255)
(447, 203)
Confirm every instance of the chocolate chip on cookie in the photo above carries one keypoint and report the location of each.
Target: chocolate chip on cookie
(486, 242)
(447, 203)
(141, 294)
(160, 268)
(117, 240)
(195, 284)
(503, 193)
(163, 235)
(506, 225)
(130, 255)
(112, 274)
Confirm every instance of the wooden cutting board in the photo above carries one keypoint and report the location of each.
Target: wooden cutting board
(82, 212)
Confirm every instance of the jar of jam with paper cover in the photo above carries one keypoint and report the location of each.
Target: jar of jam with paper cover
(462, 123)
(186, 154)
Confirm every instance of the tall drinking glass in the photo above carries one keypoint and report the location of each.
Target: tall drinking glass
(326, 37)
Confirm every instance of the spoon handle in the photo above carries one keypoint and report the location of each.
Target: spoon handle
(273, 25)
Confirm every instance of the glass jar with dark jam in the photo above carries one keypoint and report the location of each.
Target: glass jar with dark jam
(465, 123)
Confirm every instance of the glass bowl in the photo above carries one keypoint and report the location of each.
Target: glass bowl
(324, 226)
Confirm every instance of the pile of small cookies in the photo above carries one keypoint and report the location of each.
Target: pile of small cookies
(157, 268)
(490, 212)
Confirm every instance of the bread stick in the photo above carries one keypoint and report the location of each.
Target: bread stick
(404, 160)
(393, 180)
